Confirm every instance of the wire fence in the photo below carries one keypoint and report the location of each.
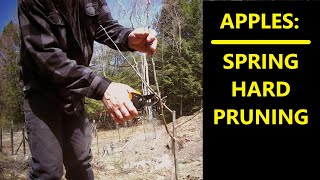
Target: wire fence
(13, 141)
(146, 147)
(141, 148)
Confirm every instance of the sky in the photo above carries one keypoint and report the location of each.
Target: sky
(8, 10)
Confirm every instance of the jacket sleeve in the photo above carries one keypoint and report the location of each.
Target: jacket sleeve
(43, 51)
(117, 32)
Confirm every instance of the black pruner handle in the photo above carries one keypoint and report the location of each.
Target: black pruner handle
(137, 100)
(140, 101)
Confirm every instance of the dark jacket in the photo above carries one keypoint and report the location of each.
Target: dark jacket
(57, 43)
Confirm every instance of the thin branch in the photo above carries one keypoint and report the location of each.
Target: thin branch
(155, 77)
(125, 12)
(136, 71)
(148, 14)
(142, 79)
(135, 62)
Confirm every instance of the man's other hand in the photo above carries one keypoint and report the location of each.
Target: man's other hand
(143, 40)
(116, 99)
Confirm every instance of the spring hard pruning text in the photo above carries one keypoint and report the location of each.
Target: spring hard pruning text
(262, 61)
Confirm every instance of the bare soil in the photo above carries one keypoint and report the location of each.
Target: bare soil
(135, 153)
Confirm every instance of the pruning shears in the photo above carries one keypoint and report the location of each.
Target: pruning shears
(141, 101)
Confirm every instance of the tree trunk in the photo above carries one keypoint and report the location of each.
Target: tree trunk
(145, 76)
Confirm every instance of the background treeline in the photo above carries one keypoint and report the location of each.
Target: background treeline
(178, 61)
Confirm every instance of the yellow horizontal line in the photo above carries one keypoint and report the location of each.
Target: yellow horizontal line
(261, 42)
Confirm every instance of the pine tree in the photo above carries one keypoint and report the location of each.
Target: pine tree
(10, 90)
(179, 57)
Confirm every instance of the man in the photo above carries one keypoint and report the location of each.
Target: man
(56, 47)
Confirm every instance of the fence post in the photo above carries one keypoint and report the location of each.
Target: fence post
(0, 139)
(11, 131)
(174, 144)
(24, 141)
(97, 141)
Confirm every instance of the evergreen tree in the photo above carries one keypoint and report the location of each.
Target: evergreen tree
(10, 90)
(179, 57)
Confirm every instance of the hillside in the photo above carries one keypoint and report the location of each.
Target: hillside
(139, 152)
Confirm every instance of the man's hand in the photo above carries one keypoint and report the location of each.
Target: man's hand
(143, 40)
(116, 99)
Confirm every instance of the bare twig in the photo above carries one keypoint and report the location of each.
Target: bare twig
(135, 62)
(148, 12)
(142, 79)
(137, 72)
(155, 77)
(126, 13)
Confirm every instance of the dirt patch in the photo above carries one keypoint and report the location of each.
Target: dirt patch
(144, 152)
(136, 153)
